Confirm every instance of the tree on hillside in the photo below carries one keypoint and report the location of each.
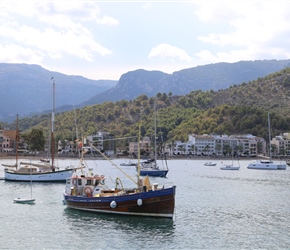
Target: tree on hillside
(36, 140)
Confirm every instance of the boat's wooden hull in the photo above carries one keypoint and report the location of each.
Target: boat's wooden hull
(158, 203)
(57, 176)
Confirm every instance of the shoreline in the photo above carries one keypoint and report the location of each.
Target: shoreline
(114, 157)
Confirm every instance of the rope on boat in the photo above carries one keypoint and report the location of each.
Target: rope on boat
(113, 163)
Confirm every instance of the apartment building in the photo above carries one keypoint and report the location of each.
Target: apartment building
(103, 141)
(207, 145)
(280, 145)
(8, 140)
(145, 147)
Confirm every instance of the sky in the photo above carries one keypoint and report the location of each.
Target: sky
(105, 39)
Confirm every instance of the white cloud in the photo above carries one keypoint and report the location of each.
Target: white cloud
(18, 54)
(108, 21)
(113, 36)
(53, 28)
(166, 50)
(253, 29)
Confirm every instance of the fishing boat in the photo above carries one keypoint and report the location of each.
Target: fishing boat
(39, 172)
(150, 167)
(89, 192)
(267, 164)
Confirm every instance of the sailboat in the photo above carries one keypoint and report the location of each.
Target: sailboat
(267, 164)
(150, 167)
(38, 172)
(89, 192)
(230, 166)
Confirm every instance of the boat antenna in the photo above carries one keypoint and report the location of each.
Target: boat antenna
(52, 124)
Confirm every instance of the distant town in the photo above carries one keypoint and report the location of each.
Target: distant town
(197, 145)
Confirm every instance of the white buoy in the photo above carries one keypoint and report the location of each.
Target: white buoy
(113, 204)
(139, 202)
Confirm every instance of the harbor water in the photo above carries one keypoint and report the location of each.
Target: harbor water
(215, 209)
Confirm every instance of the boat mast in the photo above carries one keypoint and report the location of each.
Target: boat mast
(155, 153)
(77, 133)
(17, 142)
(52, 125)
(138, 164)
(269, 128)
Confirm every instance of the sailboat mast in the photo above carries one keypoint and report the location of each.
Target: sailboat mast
(17, 142)
(77, 133)
(52, 124)
(155, 153)
(138, 164)
(269, 128)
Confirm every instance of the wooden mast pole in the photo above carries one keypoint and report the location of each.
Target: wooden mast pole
(52, 125)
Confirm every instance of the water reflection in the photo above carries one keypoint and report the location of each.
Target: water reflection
(144, 225)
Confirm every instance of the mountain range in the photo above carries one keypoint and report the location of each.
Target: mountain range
(27, 89)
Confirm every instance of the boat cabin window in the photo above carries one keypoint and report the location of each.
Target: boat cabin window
(79, 182)
(32, 170)
(89, 182)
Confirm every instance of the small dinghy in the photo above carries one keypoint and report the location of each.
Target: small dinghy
(24, 200)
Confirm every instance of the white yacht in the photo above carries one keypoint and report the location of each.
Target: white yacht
(266, 164)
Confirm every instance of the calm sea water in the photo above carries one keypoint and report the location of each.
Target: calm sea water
(215, 209)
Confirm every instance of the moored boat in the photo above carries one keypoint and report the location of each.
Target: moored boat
(89, 192)
(129, 163)
(209, 163)
(39, 172)
(267, 164)
(150, 167)
(24, 200)
(230, 167)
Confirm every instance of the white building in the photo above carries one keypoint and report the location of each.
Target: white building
(207, 145)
